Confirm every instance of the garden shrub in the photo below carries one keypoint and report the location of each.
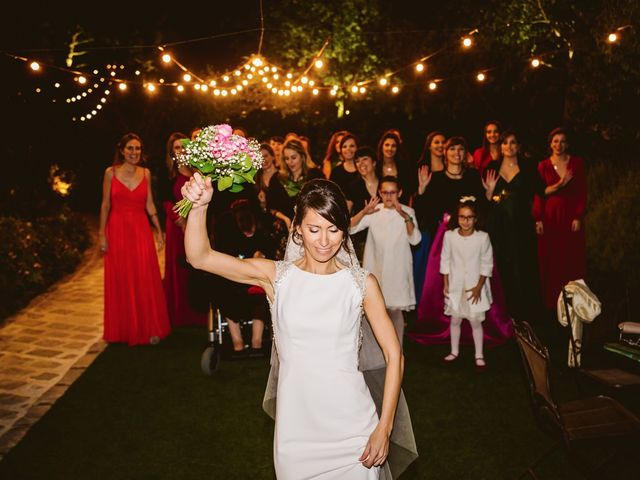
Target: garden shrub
(613, 241)
(36, 253)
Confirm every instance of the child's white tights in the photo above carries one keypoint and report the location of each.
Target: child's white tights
(476, 331)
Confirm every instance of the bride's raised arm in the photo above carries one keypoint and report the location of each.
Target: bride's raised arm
(252, 271)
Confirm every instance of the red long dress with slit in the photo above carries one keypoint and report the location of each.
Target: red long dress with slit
(182, 310)
(134, 306)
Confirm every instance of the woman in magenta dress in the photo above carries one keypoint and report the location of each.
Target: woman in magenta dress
(442, 194)
(135, 311)
(177, 273)
(559, 218)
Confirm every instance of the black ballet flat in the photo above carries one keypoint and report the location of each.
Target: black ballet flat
(240, 354)
(256, 352)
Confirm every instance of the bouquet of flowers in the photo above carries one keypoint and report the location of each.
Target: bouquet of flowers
(229, 159)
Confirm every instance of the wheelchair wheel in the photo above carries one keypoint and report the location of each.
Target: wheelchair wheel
(210, 360)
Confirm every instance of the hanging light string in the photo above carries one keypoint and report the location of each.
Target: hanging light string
(257, 70)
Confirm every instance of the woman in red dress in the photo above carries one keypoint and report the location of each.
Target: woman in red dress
(490, 149)
(559, 218)
(177, 273)
(135, 311)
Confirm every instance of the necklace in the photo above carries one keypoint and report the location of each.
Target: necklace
(459, 174)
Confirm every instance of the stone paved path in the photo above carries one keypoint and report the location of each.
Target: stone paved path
(47, 346)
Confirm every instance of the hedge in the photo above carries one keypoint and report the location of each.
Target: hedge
(36, 253)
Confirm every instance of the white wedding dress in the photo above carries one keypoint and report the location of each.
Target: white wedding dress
(324, 410)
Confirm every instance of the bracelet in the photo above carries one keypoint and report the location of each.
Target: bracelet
(153, 215)
(408, 219)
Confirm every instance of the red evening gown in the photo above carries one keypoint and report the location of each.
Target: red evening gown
(134, 306)
(176, 270)
(561, 252)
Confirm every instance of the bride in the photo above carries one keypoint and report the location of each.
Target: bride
(339, 411)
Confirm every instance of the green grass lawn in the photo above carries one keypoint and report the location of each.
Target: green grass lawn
(149, 413)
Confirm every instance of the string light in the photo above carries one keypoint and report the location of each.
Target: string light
(35, 66)
(258, 71)
(613, 37)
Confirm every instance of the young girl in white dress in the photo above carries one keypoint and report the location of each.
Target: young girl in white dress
(327, 423)
(466, 263)
(392, 230)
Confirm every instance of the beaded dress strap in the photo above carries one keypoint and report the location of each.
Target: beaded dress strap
(359, 276)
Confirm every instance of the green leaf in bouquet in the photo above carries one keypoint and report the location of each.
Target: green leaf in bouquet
(236, 187)
(237, 178)
(246, 162)
(185, 142)
(248, 176)
(224, 183)
(205, 167)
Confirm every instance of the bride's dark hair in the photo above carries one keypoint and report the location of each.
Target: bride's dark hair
(326, 198)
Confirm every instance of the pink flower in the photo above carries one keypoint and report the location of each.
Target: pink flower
(225, 130)
(219, 138)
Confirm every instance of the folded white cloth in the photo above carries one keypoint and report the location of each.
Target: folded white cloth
(584, 307)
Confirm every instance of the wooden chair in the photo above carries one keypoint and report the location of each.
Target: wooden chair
(595, 419)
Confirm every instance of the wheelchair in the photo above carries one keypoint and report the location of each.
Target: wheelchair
(217, 330)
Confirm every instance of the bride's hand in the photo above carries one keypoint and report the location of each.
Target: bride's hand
(198, 190)
(377, 449)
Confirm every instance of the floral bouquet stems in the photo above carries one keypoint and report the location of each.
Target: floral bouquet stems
(230, 160)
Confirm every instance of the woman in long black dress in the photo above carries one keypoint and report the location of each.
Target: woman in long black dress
(512, 181)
